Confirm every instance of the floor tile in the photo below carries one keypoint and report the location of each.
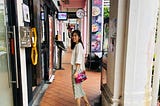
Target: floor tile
(60, 93)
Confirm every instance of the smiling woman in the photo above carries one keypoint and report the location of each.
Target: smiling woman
(78, 66)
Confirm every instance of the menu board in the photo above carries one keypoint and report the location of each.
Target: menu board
(97, 28)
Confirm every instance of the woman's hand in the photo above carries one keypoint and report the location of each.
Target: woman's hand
(75, 74)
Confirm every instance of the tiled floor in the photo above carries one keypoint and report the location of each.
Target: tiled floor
(59, 92)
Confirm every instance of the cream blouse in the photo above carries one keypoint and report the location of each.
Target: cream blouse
(78, 56)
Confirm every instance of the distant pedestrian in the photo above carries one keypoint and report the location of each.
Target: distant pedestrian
(78, 65)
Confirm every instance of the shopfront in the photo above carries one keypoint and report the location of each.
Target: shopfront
(26, 49)
(10, 80)
(47, 39)
(43, 19)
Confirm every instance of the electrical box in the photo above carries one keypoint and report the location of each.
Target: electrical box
(25, 38)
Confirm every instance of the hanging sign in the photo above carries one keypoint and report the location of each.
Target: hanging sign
(97, 27)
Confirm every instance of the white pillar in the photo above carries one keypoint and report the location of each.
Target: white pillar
(139, 55)
(156, 75)
(22, 56)
(120, 52)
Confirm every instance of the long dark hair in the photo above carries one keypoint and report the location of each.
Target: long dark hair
(80, 39)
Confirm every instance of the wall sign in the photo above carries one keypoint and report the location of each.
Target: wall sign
(25, 40)
(26, 15)
(97, 27)
(80, 13)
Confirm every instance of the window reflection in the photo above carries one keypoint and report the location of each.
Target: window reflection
(2, 33)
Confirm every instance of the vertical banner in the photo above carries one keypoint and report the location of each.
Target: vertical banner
(97, 27)
(50, 45)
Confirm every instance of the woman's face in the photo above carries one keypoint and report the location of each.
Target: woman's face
(75, 38)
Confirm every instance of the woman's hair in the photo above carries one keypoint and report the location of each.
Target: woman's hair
(80, 39)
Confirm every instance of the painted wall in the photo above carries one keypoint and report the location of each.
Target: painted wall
(109, 72)
(131, 47)
(139, 54)
(112, 39)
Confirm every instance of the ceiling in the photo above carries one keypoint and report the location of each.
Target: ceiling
(71, 5)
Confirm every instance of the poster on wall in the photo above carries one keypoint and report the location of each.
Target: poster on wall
(26, 16)
(97, 27)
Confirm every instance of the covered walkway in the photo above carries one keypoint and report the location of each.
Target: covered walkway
(59, 92)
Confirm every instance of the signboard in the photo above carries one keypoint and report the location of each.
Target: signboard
(26, 15)
(97, 27)
(80, 13)
(62, 16)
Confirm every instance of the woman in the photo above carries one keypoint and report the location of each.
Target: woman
(78, 65)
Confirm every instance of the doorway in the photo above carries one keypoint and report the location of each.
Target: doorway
(6, 92)
(10, 89)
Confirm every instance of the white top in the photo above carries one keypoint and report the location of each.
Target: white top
(78, 56)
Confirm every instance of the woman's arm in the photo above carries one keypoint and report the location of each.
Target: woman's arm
(78, 56)
(76, 72)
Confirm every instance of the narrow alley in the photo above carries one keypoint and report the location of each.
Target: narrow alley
(59, 92)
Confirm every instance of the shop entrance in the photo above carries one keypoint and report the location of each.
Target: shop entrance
(10, 89)
(6, 78)
(5, 71)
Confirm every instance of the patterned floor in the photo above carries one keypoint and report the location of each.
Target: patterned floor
(59, 92)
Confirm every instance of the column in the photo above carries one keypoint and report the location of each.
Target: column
(142, 17)
(22, 56)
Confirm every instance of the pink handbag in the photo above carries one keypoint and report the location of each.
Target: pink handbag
(81, 77)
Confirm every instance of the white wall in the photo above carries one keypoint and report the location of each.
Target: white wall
(139, 54)
(156, 63)
(112, 49)
(129, 63)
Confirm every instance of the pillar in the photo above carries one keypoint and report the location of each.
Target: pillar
(22, 56)
(141, 26)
